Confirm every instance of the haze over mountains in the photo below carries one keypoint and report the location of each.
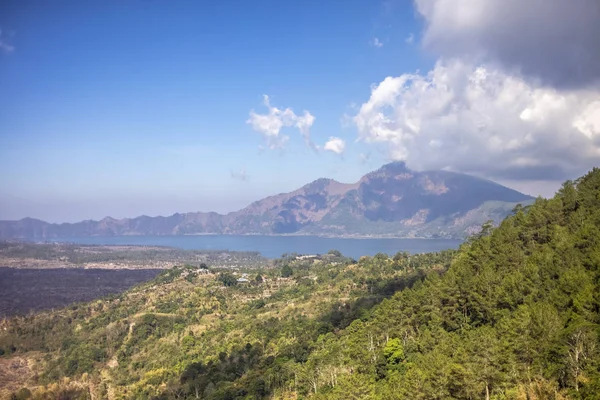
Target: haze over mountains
(392, 201)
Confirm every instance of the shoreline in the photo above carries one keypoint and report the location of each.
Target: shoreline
(62, 238)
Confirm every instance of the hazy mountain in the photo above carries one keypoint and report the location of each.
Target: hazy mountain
(392, 201)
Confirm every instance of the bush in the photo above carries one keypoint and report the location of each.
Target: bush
(286, 271)
(257, 304)
(227, 279)
(81, 359)
(21, 394)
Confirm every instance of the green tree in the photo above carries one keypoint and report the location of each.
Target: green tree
(394, 351)
(227, 279)
(334, 252)
(286, 271)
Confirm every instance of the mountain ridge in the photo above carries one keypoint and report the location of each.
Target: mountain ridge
(392, 201)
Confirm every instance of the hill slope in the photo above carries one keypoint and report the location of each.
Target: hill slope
(392, 201)
(514, 314)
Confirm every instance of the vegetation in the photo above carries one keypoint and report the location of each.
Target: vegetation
(12, 253)
(227, 279)
(286, 271)
(513, 314)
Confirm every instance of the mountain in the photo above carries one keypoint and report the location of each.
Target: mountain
(392, 201)
(512, 314)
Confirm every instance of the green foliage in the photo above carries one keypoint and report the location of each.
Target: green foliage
(335, 253)
(286, 271)
(257, 304)
(80, 359)
(227, 279)
(78, 254)
(513, 314)
(393, 351)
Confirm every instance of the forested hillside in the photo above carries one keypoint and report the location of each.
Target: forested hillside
(514, 314)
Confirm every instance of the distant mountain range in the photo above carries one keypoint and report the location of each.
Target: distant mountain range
(390, 202)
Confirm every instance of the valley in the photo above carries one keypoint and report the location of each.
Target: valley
(501, 317)
(300, 200)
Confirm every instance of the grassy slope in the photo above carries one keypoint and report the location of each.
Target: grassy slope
(516, 316)
(135, 344)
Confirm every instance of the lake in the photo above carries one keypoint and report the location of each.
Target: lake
(275, 246)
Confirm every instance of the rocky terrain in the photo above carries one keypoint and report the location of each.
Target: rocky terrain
(392, 201)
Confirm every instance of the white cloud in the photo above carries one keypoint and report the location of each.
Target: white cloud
(4, 45)
(588, 122)
(555, 41)
(270, 125)
(410, 39)
(240, 175)
(304, 123)
(335, 144)
(480, 119)
(377, 43)
(514, 95)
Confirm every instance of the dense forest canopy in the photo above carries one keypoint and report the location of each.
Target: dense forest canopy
(513, 314)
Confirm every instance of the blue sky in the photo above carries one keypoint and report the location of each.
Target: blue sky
(110, 103)
(136, 107)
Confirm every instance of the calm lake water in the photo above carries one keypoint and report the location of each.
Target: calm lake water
(275, 246)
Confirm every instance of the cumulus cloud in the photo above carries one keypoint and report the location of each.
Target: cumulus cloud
(377, 43)
(514, 95)
(480, 119)
(336, 145)
(410, 39)
(271, 124)
(4, 45)
(240, 175)
(554, 41)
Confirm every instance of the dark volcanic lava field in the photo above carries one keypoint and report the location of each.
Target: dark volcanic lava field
(25, 290)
